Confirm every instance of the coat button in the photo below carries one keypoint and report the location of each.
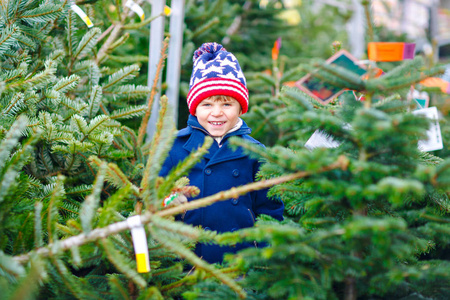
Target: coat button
(234, 201)
(208, 171)
(235, 172)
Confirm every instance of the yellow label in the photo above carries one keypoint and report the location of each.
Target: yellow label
(142, 263)
(167, 10)
(88, 21)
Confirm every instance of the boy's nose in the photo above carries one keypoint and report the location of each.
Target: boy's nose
(217, 110)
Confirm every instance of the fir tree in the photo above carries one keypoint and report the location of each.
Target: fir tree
(64, 231)
(362, 229)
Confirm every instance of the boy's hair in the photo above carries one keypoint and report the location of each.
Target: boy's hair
(216, 72)
(221, 98)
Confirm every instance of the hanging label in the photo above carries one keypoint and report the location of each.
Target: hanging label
(434, 141)
(82, 15)
(437, 82)
(276, 49)
(390, 51)
(321, 139)
(422, 99)
(139, 244)
(169, 199)
(167, 10)
(136, 8)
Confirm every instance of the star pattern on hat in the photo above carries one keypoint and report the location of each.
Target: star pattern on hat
(216, 72)
(216, 64)
(226, 62)
(229, 75)
(240, 74)
(216, 69)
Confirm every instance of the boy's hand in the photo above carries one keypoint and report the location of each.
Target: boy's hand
(174, 200)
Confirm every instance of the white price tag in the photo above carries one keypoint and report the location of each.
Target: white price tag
(139, 244)
(434, 141)
(136, 8)
(82, 15)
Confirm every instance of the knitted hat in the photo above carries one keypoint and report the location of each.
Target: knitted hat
(216, 72)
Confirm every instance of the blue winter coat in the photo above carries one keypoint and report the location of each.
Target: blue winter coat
(220, 170)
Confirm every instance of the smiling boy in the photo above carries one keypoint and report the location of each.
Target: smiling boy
(217, 97)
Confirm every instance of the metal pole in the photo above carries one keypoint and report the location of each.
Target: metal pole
(156, 39)
(434, 29)
(174, 55)
(356, 30)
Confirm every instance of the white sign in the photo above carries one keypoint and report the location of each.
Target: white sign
(434, 141)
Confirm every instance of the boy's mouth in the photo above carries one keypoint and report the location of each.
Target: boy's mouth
(217, 123)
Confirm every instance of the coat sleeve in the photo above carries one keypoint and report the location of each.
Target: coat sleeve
(267, 206)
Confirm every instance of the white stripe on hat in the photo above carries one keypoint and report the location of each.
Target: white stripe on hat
(219, 83)
(217, 87)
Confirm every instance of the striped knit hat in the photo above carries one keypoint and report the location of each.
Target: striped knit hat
(216, 72)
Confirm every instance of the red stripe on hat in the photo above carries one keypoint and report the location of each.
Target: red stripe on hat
(217, 86)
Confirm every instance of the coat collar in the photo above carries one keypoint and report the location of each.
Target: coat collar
(197, 135)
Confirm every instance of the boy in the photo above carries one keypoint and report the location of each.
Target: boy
(217, 97)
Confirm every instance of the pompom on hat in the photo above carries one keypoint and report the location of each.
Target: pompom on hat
(216, 72)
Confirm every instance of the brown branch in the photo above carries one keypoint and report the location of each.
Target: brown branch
(341, 163)
(143, 127)
(112, 37)
(147, 217)
(234, 27)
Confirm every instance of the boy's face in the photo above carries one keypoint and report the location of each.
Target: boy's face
(217, 117)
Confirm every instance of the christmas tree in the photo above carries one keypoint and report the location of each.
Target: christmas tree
(73, 172)
(368, 211)
(365, 219)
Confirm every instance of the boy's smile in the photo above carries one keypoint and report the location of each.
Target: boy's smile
(218, 116)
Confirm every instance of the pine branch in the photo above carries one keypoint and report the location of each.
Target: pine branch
(127, 73)
(115, 228)
(86, 44)
(143, 23)
(128, 113)
(38, 241)
(236, 24)
(101, 55)
(52, 211)
(30, 283)
(11, 139)
(91, 203)
(182, 168)
(121, 263)
(67, 83)
(94, 101)
(201, 29)
(145, 119)
(341, 163)
(161, 144)
(114, 175)
(129, 91)
(197, 262)
(43, 13)
(37, 81)
(8, 38)
(183, 230)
